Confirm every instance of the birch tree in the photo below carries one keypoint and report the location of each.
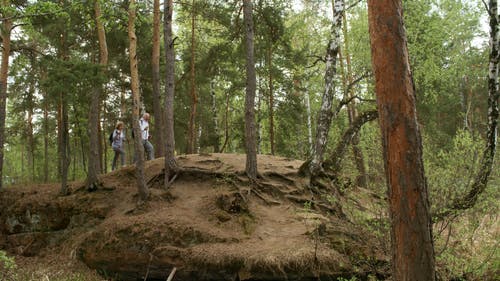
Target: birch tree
(411, 230)
(326, 114)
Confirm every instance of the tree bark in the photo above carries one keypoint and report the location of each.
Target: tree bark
(80, 137)
(226, 124)
(63, 128)
(250, 134)
(271, 98)
(5, 30)
(352, 111)
(134, 73)
(43, 76)
(30, 132)
(94, 161)
(194, 97)
(157, 103)
(171, 167)
(411, 230)
(307, 101)
(335, 159)
(325, 114)
(216, 138)
(259, 117)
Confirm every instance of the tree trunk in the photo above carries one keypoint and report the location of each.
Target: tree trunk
(216, 138)
(307, 100)
(171, 167)
(325, 114)
(335, 159)
(5, 30)
(352, 111)
(250, 145)
(258, 125)
(411, 230)
(30, 137)
(226, 124)
(94, 162)
(271, 98)
(80, 137)
(45, 130)
(64, 149)
(63, 130)
(103, 140)
(157, 103)
(134, 73)
(194, 97)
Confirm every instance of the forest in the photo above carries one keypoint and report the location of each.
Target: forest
(413, 121)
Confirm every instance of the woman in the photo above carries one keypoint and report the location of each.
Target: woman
(118, 145)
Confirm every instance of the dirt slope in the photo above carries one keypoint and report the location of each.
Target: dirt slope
(211, 225)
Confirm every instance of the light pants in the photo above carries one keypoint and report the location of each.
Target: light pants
(149, 149)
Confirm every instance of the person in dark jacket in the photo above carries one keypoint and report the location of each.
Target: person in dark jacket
(118, 145)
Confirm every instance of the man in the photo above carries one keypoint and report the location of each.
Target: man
(148, 147)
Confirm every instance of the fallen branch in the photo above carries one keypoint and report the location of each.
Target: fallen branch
(172, 273)
(149, 265)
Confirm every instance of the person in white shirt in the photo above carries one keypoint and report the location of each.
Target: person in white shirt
(148, 147)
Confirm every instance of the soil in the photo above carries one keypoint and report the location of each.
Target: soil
(211, 224)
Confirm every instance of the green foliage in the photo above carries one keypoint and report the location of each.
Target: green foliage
(6, 262)
(450, 172)
(446, 64)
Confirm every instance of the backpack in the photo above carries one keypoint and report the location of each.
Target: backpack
(111, 138)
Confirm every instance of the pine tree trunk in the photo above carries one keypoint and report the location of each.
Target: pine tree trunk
(159, 126)
(63, 130)
(258, 129)
(194, 97)
(250, 135)
(94, 167)
(170, 163)
(134, 72)
(45, 131)
(271, 98)
(5, 30)
(226, 124)
(325, 114)
(411, 227)
(307, 100)
(216, 138)
(64, 149)
(94, 162)
(103, 140)
(30, 137)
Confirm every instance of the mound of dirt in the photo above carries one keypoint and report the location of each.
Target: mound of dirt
(212, 224)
